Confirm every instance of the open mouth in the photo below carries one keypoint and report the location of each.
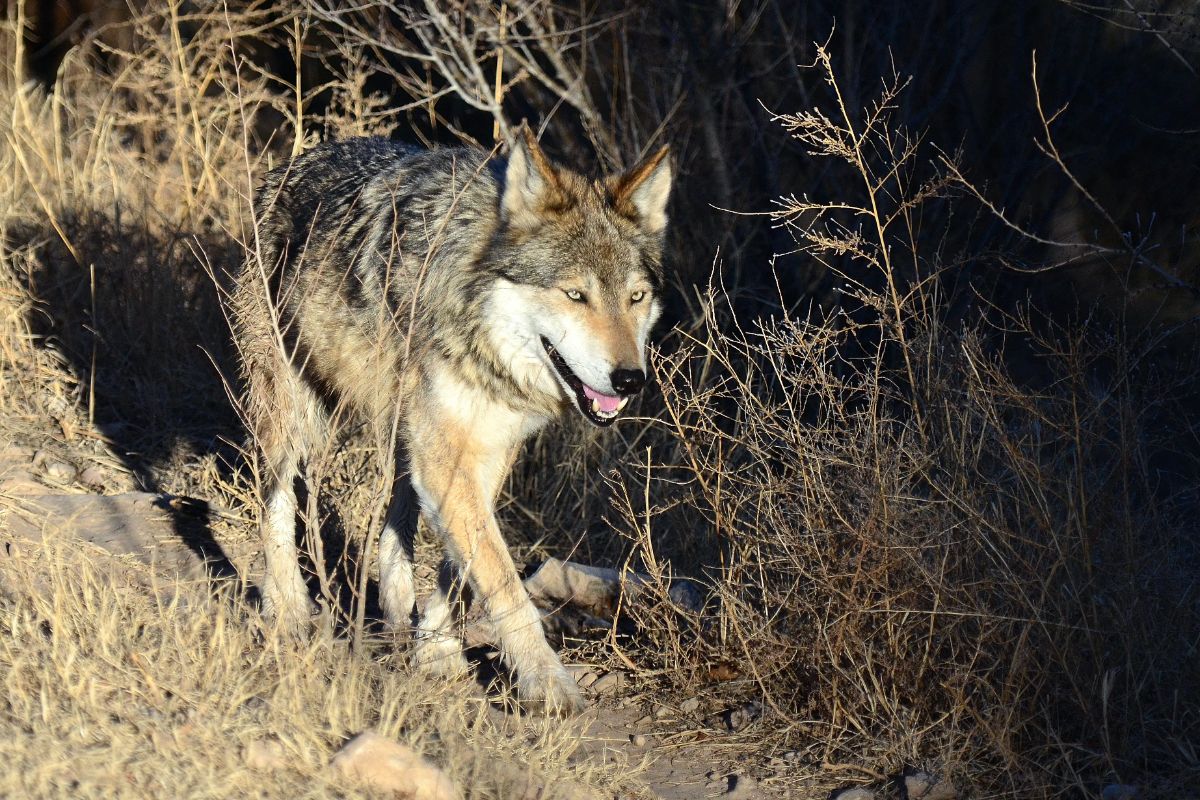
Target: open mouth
(599, 409)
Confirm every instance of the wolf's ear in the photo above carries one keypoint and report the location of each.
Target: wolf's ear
(641, 194)
(530, 182)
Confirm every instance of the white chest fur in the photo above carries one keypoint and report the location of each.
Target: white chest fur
(491, 429)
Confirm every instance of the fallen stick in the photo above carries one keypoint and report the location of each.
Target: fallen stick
(597, 589)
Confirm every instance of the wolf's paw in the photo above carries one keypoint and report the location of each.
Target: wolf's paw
(401, 635)
(550, 690)
(296, 618)
(439, 657)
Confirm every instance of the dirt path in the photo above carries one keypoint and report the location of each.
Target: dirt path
(674, 772)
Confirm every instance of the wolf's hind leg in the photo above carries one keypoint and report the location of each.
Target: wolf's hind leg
(396, 592)
(287, 419)
(438, 649)
(285, 594)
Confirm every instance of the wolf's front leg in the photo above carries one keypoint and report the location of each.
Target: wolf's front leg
(459, 504)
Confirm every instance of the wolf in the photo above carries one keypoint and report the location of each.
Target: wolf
(462, 300)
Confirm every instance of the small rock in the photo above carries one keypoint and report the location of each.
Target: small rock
(724, 671)
(56, 406)
(741, 787)
(92, 476)
(739, 718)
(787, 758)
(923, 786)
(608, 684)
(184, 733)
(391, 766)
(690, 705)
(58, 470)
(264, 754)
(252, 704)
(662, 712)
(1119, 791)
(586, 679)
(684, 594)
(853, 793)
(637, 739)
(646, 720)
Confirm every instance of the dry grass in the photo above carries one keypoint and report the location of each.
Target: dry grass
(938, 529)
(122, 685)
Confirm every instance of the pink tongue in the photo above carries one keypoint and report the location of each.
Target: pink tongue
(607, 403)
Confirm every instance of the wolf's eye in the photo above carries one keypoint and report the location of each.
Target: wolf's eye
(637, 296)
(576, 295)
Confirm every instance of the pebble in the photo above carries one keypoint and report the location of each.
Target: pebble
(608, 683)
(56, 406)
(924, 786)
(58, 470)
(92, 476)
(264, 754)
(662, 712)
(1119, 791)
(646, 720)
(252, 704)
(741, 787)
(685, 595)
(393, 767)
(690, 705)
(739, 718)
(785, 759)
(853, 793)
(637, 739)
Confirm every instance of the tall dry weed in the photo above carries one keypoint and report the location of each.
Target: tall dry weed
(917, 559)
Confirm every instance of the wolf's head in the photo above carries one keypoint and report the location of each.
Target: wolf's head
(578, 267)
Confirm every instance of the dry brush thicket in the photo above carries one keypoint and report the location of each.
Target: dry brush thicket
(927, 424)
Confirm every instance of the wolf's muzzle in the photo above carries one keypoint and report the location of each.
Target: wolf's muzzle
(598, 408)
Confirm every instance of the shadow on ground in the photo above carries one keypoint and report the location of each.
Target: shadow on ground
(139, 320)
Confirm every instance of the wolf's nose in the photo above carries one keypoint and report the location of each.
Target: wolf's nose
(627, 381)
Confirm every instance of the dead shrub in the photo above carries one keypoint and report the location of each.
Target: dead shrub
(917, 559)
